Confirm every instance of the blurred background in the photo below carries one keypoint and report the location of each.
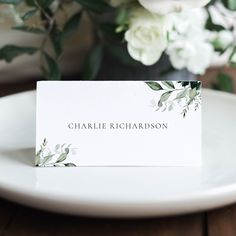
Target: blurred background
(21, 25)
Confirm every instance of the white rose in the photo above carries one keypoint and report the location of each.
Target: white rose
(146, 36)
(166, 6)
(195, 56)
(188, 45)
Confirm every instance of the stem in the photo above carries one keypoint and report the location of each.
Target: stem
(48, 25)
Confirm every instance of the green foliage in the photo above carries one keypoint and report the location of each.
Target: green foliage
(93, 63)
(98, 6)
(50, 68)
(53, 157)
(29, 29)
(224, 82)
(210, 25)
(109, 36)
(55, 34)
(9, 52)
(71, 25)
(154, 86)
(39, 3)
(230, 4)
(186, 94)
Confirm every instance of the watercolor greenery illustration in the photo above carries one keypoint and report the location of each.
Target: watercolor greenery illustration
(46, 157)
(185, 94)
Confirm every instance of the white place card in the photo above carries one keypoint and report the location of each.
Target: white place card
(118, 123)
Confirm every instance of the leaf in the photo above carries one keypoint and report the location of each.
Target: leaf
(192, 93)
(70, 165)
(168, 84)
(182, 94)
(165, 96)
(71, 25)
(45, 142)
(198, 85)
(230, 4)
(51, 69)
(185, 83)
(29, 14)
(39, 152)
(98, 6)
(62, 158)
(210, 25)
(93, 63)
(10, 52)
(57, 36)
(154, 86)
(160, 104)
(46, 159)
(42, 3)
(14, 2)
(225, 83)
(29, 29)
(56, 40)
(123, 16)
(195, 84)
(37, 159)
(67, 150)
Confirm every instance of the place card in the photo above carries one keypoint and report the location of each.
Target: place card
(118, 123)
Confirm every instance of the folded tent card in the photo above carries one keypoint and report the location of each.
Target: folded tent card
(118, 123)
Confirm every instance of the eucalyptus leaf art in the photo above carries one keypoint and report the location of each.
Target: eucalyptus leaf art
(45, 157)
(193, 34)
(185, 94)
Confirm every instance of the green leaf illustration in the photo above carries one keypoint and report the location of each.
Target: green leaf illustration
(47, 159)
(165, 96)
(154, 86)
(70, 165)
(168, 84)
(183, 93)
(62, 157)
(56, 157)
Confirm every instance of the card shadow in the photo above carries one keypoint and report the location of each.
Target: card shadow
(23, 156)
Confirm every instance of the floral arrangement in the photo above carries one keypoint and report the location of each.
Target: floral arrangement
(192, 33)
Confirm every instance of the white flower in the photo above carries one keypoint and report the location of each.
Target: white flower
(193, 55)
(166, 6)
(188, 44)
(222, 16)
(146, 36)
(221, 39)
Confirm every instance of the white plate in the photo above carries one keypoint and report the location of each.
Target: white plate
(119, 192)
